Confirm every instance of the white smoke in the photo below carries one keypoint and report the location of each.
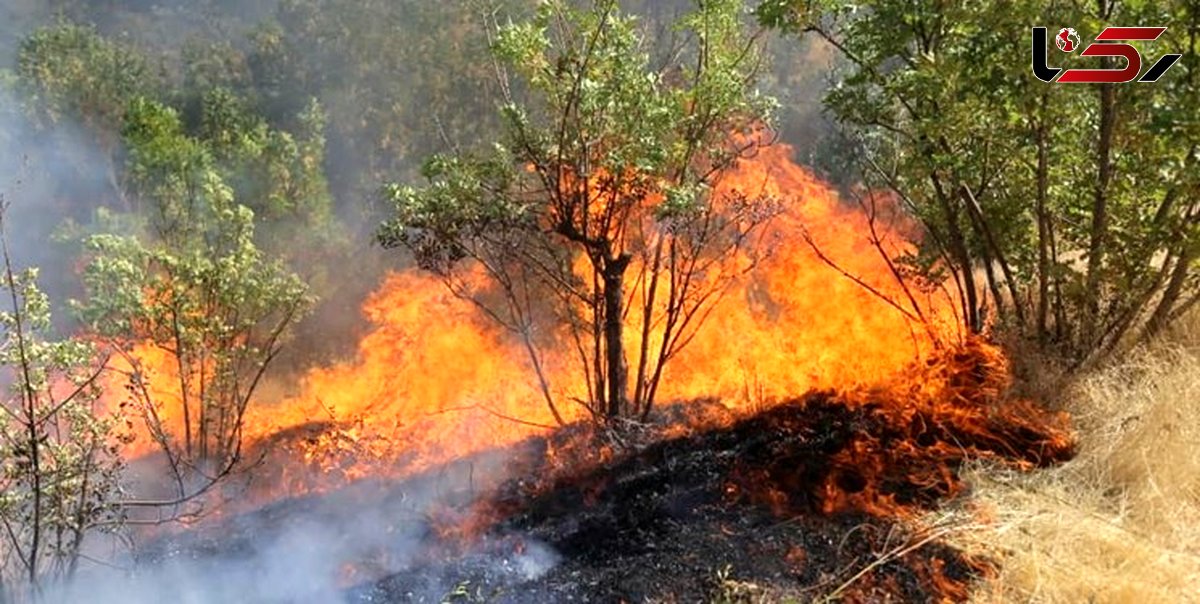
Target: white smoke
(302, 550)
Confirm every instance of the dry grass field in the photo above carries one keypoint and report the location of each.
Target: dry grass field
(1119, 523)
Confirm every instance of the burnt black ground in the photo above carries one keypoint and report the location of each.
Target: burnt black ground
(659, 525)
(661, 522)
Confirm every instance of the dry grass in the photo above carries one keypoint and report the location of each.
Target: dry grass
(1121, 522)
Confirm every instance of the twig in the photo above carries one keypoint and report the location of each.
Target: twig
(495, 413)
(896, 552)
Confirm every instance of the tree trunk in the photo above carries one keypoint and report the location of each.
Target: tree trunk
(614, 303)
(1099, 227)
(1043, 222)
(642, 390)
(975, 211)
(960, 254)
(1163, 312)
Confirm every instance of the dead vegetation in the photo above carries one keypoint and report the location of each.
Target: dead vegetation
(1121, 521)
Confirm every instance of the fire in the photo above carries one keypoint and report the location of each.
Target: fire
(855, 394)
(434, 380)
(796, 324)
(158, 373)
(431, 382)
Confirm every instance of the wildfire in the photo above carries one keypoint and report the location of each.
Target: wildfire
(896, 401)
(434, 380)
(796, 324)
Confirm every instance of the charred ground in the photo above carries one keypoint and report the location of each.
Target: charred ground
(793, 502)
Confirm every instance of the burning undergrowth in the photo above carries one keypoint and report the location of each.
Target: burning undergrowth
(427, 467)
(434, 380)
(800, 497)
(815, 495)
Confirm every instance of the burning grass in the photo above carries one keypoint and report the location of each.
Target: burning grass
(814, 497)
(434, 380)
(809, 498)
(1120, 522)
(431, 446)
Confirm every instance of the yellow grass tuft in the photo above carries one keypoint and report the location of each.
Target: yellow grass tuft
(1121, 522)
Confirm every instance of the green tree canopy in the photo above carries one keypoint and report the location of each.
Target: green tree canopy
(186, 276)
(608, 160)
(59, 446)
(1069, 212)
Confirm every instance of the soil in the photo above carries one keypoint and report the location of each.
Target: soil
(789, 505)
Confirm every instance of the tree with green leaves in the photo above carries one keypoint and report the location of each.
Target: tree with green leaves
(1070, 214)
(600, 197)
(59, 446)
(71, 74)
(188, 279)
(397, 78)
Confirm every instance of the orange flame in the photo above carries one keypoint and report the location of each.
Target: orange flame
(434, 380)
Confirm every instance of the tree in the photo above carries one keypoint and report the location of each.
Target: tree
(70, 72)
(278, 174)
(397, 78)
(1067, 213)
(275, 167)
(606, 170)
(189, 282)
(59, 447)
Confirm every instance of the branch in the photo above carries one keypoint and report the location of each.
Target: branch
(867, 286)
(487, 409)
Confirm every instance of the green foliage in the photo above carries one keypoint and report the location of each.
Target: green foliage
(73, 72)
(595, 135)
(600, 110)
(395, 78)
(222, 97)
(234, 154)
(70, 72)
(59, 446)
(176, 174)
(213, 303)
(173, 150)
(399, 79)
(192, 280)
(1077, 203)
(433, 221)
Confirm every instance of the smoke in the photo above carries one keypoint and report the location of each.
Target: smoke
(296, 550)
(18, 17)
(51, 179)
(338, 547)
